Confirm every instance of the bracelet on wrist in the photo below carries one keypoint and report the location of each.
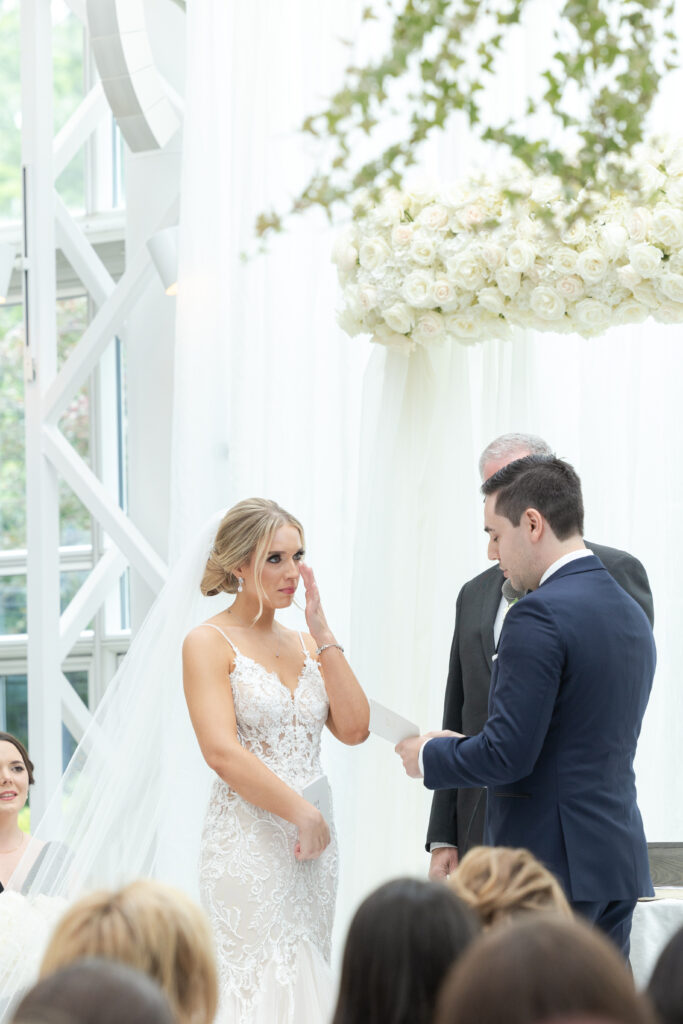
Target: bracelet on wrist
(323, 647)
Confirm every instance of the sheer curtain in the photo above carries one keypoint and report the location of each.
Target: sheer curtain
(379, 461)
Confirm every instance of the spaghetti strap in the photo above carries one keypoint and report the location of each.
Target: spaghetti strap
(212, 626)
(303, 645)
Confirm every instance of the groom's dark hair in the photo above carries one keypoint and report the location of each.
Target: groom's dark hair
(543, 482)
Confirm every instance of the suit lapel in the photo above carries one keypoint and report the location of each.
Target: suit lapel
(489, 606)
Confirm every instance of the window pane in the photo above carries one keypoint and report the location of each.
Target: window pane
(13, 617)
(14, 708)
(12, 480)
(10, 111)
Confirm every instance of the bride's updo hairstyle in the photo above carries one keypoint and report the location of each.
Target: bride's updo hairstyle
(244, 537)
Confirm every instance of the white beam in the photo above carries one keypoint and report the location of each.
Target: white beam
(82, 256)
(78, 129)
(104, 325)
(76, 716)
(83, 482)
(42, 504)
(90, 596)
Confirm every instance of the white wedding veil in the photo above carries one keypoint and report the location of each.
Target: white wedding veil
(132, 799)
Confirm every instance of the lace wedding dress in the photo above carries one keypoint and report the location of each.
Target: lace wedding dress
(271, 914)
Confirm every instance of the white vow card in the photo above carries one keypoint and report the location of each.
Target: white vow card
(318, 794)
(386, 723)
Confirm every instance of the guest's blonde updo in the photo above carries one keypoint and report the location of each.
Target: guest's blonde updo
(498, 883)
(244, 537)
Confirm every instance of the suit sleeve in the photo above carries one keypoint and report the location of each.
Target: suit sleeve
(631, 576)
(524, 690)
(443, 820)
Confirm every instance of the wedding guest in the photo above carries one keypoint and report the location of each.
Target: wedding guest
(401, 943)
(500, 883)
(16, 775)
(152, 927)
(94, 991)
(538, 969)
(665, 987)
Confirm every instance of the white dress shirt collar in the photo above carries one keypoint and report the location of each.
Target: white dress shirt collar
(564, 560)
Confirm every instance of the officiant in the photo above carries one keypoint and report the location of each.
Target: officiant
(569, 688)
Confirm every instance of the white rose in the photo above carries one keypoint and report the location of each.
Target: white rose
(675, 263)
(491, 300)
(645, 259)
(591, 265)
(466, 271)
(563, 259)
(574, 233)
(422, 249)
(674, 191)
(627, 277)
(651, 178)
(373, 252)
(471, 214)
(367, 296)
(612, 240)
(521, 255)
(667, 226)
(671, 285)
(646, 293)
(443, 293)
(570, 287)
(668, 312)
(417, 288)
(399, 317)
(434, 216)
(402, 235)
(508, 281)
(592, 316)
(386, 214)
(546, 303)
(350, 323)
(630, 311)
(385, 336)
(638, 222)
(429, 329)
(344, 252)
(493, 255)
(468, 325)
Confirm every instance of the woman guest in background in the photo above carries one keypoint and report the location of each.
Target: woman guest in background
(402, 941)
(500, 883)
(16, 775)
(152, 927)
(259, 695)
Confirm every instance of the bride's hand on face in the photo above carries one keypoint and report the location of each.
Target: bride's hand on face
(315, 616)
(314, 835)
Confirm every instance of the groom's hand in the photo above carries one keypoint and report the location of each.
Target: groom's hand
(409, 750)
(444, 862)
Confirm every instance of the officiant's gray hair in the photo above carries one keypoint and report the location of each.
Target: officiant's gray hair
(513, 444)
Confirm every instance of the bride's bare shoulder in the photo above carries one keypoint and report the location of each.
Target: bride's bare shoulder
(206, 636)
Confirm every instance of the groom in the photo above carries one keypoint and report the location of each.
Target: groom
(569, 688)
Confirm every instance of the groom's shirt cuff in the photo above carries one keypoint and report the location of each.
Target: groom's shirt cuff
(420, 761)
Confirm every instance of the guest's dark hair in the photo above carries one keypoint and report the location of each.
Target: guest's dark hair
(549, 485)
(402, 941)
(537, 969)
(95, 991)
(665, 987)
(28, 763)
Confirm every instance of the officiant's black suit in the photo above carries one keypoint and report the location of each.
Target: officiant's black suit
(458, 815)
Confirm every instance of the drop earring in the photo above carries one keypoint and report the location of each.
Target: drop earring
(239, 584)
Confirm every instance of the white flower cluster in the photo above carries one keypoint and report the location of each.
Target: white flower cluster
(465, 263)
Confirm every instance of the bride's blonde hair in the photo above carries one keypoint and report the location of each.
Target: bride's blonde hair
(244, 536)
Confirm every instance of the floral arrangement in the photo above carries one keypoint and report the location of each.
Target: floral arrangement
(468, 262)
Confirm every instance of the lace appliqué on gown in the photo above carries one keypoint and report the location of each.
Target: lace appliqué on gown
(271, 914)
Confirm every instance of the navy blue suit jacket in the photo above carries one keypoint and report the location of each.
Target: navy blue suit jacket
(569, 690)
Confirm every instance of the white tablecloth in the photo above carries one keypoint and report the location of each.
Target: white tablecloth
(654, 922)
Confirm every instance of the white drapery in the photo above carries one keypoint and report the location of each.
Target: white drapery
(268, 401)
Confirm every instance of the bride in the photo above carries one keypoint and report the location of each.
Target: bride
(132, 800)
(259, 696)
